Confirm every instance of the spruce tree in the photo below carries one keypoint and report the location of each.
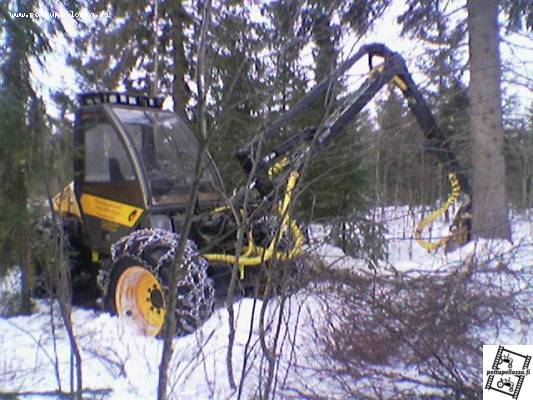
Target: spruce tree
(141, 48)
(336, 178)
(490, 217)
(23, 39)
(285, 42)
(518, 146)
(240, 94)
(15, 92)
(442, 39)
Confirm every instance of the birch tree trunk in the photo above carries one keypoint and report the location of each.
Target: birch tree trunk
(490, 219)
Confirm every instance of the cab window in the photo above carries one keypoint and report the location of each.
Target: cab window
(105, 158)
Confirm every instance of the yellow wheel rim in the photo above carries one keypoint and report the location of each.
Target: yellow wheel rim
(139, 297)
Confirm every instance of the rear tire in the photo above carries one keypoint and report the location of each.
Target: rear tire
(76, 264)
(137, 285)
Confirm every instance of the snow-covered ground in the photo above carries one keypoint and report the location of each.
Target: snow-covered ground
(34, 357)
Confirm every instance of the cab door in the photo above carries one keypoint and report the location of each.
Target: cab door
(107, 186)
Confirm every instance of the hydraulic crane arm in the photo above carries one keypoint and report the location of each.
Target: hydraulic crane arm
(393, 69)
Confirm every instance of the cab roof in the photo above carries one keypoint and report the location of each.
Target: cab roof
(95, 98)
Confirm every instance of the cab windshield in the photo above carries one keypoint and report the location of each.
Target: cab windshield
(168, 151)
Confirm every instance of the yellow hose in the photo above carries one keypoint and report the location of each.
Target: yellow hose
(254, 255)
(452, 198)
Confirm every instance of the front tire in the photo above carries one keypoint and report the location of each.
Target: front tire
(137, 285)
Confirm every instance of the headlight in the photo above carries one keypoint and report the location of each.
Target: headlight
(161, 222)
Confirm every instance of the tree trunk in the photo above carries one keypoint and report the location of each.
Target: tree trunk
(15, 148)
(490, 219)
(22, 243)
(180, 90)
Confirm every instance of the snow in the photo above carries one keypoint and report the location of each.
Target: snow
(10, 285)
(117, 359)
(405, 254)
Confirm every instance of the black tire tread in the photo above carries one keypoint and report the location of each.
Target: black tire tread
(155, 250)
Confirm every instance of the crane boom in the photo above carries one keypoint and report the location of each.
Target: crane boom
(392, 69)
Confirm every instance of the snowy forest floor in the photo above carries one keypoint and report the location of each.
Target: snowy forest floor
(300, 332)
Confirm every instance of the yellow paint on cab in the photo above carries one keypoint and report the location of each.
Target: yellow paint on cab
(65, 201)
(110, 210)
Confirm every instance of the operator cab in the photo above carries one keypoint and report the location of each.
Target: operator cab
(134, 152)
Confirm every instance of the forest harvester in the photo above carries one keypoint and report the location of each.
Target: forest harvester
(134, 172)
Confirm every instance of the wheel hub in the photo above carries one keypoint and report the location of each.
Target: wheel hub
(156, 297)
(139, 297)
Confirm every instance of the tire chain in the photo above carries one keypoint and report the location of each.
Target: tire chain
(195, 291)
